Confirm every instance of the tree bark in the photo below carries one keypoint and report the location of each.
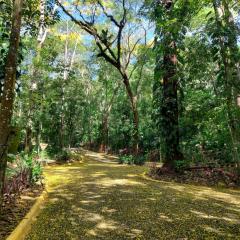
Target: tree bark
(7, 101)
(169, 110)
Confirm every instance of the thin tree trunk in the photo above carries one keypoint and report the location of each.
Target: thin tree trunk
(104, 133)
(28, 140)
(105, 120)
(42, 35)
(68, 64)
(133, 101)
(7, 101)
(38, 137)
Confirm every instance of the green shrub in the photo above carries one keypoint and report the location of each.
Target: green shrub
(139, 160)
(30, 162)
(24, 163)
(63, 156)
(130, 159)
(126, 159)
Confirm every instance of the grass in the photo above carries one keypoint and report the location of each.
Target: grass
(98, 200)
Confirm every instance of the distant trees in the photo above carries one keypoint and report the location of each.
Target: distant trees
(47, 16)
(115, 42)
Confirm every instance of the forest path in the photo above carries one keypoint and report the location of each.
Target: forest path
(98, 200)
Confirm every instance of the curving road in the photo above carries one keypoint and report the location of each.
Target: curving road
(99, 199)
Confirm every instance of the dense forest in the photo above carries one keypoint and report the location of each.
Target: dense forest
(147, 81)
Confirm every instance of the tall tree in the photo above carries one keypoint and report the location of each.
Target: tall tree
(7, 100)
(167, 80)
(36, 85)
(171, 18)
(225, 47)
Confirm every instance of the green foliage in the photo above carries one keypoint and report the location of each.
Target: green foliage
(126, 159)
(27, 164)
(139, 159)
(30, 163)
(63, 156)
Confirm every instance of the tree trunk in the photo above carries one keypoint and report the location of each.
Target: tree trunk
(104, 133)
(42, 35)
(169, 110)
(166, 74)
(230, 61)
(133, 101)
(7, 101)
(28, 140)
(61, 130)
(38, 137)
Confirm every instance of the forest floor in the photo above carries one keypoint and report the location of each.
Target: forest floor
(95, 199)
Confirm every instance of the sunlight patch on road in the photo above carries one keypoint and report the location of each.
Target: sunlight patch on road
(165, 218)
(108, 182)
(230, 218)
(98, 174)
(107, 225)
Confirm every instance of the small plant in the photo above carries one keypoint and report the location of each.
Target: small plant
(139, 160)
(30, 163)
(126, 159)
(64, 156)
(25, 171)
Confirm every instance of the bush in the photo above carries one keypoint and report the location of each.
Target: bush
(126, 159)
(63, 156)
(139, 160)
(130, 159)
(30, 163)
(75, 156)
(23, 171)
(153, 155)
